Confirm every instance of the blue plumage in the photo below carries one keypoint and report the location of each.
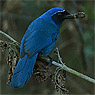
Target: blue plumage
(23, 71)
(40, 37)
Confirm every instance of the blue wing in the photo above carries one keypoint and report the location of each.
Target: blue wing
(37, 38)
(35, 42)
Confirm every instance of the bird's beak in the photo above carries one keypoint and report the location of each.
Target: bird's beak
(69, 16)
(75, 15)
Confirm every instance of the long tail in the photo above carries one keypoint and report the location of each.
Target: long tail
(23, 71)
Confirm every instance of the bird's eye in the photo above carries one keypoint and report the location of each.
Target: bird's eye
(59, 14)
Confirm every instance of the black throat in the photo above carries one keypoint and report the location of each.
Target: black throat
(58, 18)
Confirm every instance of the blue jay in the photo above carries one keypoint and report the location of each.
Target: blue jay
(40, 37)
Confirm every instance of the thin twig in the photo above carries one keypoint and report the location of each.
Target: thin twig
(58, 54)
(10, 43)
(9, 37)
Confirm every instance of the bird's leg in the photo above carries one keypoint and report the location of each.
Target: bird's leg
(46, 59)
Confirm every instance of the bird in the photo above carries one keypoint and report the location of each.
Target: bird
(40, 38)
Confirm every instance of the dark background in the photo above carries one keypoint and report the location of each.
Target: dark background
(75, 43)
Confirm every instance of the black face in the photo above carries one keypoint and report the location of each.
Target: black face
(59, 17)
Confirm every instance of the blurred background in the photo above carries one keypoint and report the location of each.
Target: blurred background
(75, 43)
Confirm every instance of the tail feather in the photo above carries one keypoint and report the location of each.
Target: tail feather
(23, 71)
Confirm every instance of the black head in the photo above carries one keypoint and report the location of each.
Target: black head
(59, 17)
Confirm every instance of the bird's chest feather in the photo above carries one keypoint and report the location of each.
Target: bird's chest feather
(50, 29)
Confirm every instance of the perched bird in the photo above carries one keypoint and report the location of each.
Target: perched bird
(40, 37)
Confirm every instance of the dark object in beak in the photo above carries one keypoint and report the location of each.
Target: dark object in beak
(76, 15)
(70, 16)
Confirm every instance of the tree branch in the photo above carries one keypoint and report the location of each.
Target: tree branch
(64, 67)
(59, 64)
(9, 37)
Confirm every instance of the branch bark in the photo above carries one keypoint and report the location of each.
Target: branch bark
(64, 67)
(9, 37)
